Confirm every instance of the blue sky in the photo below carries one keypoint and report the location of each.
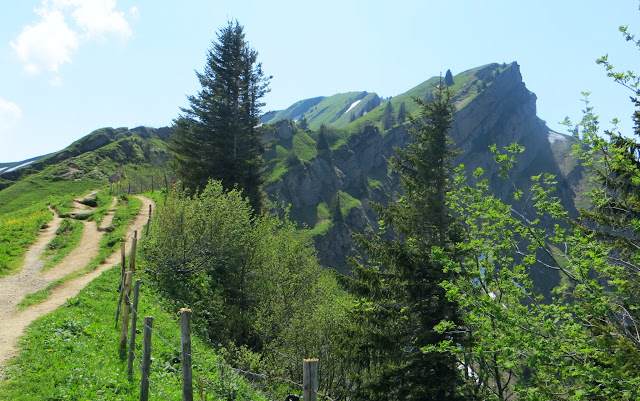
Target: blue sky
(68, 67)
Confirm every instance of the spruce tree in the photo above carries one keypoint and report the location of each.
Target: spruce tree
(402, 113)
(322, 143)
(448, 78)
(215, 137)
(303, 124)
(399, 287)
(388, 118)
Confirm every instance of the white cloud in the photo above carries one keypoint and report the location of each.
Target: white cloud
(46, 45)
(63, 26)
(9, 114)
(98, 17)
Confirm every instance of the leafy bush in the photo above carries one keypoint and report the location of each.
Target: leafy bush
(253, 283)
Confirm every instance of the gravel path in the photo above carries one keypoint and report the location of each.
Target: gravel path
(30, 279)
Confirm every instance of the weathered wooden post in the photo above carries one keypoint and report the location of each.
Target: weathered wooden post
(146, 358)
(132, 253)
(185, 341)
(310, 379)
(125, 310)
(123, 259)
(132, 332)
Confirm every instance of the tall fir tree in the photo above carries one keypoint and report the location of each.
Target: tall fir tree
(388, 117)
(303, 124)
(216, 136)
(402, 114)
(448, 78)
(399, 287)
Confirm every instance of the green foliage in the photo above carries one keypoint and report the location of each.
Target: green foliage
(216, 137)
(575, 346)
(400, 298)
(583, 343)
(253, 282)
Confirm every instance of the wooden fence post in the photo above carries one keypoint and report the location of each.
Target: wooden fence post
(125, 310)
(310, 379)
(132, 253)
(185, 341)
(146, 358)
(122, 277)
(132, 332)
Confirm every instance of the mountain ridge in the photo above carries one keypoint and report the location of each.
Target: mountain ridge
(329, 190)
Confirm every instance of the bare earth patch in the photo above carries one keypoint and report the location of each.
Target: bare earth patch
(30, 279)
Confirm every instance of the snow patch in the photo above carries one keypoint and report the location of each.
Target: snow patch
(555, 137)
(19, 166)
(354, 104)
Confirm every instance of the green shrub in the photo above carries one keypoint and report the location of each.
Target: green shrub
(253, 283)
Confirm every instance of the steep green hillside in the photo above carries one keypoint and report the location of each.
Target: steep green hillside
(119, 160)
(106, 157)
(356, 108)
(337, 110)
(467, 85)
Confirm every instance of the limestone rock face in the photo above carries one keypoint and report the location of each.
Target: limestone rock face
(502, 113)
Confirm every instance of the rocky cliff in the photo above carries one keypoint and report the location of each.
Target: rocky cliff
(493, 107)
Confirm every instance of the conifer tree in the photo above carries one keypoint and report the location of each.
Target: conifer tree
(401, 297)
(448, 78)
(388, 118)
(402, 113)
(322, 143)
(215, 137)
(304, 125)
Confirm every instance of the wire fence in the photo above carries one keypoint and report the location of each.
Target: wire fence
(243, 372)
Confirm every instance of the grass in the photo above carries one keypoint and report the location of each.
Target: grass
(348, 202)
(304, 146)
(18, 230)
(72, 354)
(128, 207)
(110, 242)
(67, 238)
(323, 110)
(462, 90)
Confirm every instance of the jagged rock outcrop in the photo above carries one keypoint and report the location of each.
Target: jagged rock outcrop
(503, 112)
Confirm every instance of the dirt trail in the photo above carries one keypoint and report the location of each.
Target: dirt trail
(14, 288)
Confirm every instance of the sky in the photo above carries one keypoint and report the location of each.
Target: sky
(68, 67)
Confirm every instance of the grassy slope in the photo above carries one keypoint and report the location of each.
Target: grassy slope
(18, 230)
(324, 109)
(73, 354)
(23, 205)
(462, 89)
